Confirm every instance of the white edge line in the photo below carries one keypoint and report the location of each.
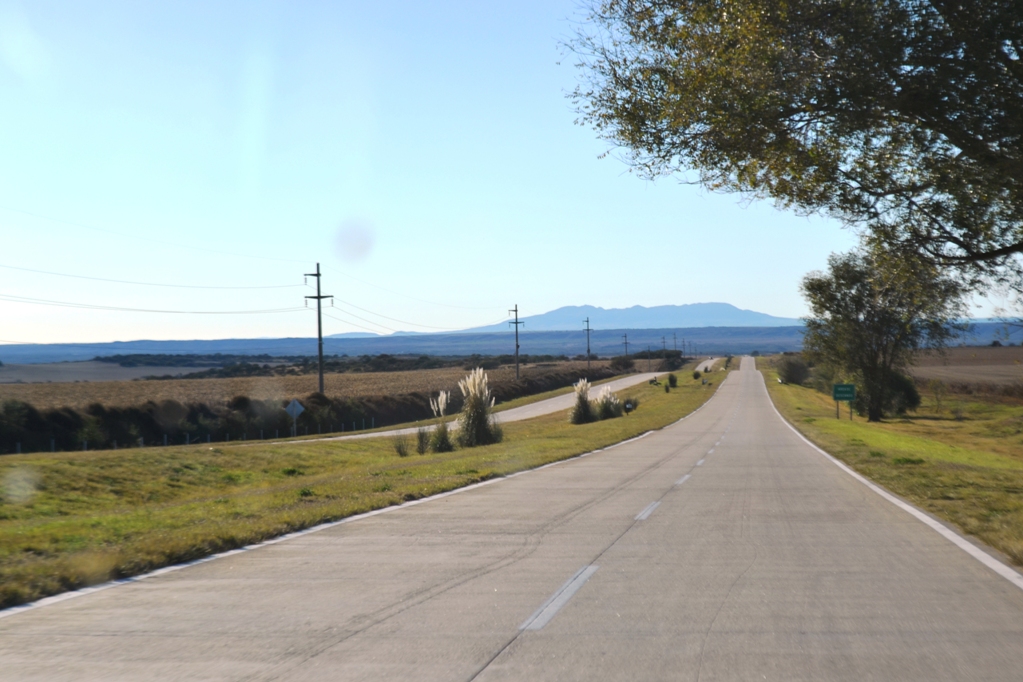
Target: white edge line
(550, 608)
(647, 511)
(683, 479)
(73, 594)
(959, 541)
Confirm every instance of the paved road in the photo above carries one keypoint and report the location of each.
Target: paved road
(721, 548)
(537, 409)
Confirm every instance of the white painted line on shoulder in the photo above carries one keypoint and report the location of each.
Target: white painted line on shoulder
(647, 511)
(710, 452)
(962, 543)
(700, 463)
(550, 608)
(683, 479)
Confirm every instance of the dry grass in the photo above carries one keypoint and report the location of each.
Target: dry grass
(972, 365)
(219, 391)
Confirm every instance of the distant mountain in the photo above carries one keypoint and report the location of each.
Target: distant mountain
(352, 335)
(639, 317)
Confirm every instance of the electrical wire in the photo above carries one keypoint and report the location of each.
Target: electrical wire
(89, 306)
(338, 319)
(397, 293)
(149, 239)
(147, 284)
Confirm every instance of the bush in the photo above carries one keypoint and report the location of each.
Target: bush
(582, 413)
(401, 445)
(630, 404)
(422, 440)
(696, 374)
(607, 405)
(673, 381)
(478, 426)
(667, 388)
(441, 440)
(622, 363)
(793, 370)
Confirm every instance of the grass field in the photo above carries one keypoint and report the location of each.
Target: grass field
(73, 519)
(219, 391)
(962, 462)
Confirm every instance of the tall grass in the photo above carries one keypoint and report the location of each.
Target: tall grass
(441, 440)
(478, 426)
(582, 412)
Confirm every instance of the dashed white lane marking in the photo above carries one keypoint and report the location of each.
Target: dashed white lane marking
(647, 511)
(700, 463)
(683, 479)
(550, 608)
(710, 452)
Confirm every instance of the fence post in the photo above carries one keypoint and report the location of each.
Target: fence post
(261, 434)
(85, 445)
(372, 422)
(53, 445)
(165, 440)
(277, 434)
(17, 449)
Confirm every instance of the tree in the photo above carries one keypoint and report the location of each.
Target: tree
(904, 117)
(869, 314)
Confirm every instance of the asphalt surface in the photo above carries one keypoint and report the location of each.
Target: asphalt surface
(721, 548)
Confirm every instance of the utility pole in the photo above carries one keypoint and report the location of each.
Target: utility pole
(664, 348)
(319, 317)
(587, 344)
(626, 337)
(516, 323)
(674, 340)
(648, 354)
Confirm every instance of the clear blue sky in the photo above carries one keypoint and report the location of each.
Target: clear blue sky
(425, 153)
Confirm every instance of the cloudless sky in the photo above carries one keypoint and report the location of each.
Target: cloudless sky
(424, 153)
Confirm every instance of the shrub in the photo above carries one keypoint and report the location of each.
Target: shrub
(582, 413)
(441, 440)
(672, 380)
(793, 370)
(422, 440)
(630, 404)
(607, 405)
(478, 426)
(667, 388)
(696, 374)
(401, 445)
(622, 363)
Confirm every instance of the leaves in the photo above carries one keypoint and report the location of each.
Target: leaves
(904, 117)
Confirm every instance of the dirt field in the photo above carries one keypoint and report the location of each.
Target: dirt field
(972, 365)
(83, 371)
(218, 391)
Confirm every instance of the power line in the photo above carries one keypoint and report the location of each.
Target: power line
(338, 319)
(89, 306)
(398, 293)
(394, 319)
(149, 239)
(146, 284)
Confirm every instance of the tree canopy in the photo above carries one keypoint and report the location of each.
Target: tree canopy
(870, 313)
(904, 117)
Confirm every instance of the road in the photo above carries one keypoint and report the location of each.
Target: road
(537, 409)
(721, 548)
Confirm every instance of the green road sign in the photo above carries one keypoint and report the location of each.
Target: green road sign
(844, 392)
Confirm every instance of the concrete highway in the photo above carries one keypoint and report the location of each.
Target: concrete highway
(721, 548)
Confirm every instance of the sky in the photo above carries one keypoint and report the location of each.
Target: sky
(205, 156)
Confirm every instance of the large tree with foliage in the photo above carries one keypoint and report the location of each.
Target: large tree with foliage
(870, 313)
(904, 117)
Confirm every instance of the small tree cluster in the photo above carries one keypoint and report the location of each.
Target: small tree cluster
(792, 369)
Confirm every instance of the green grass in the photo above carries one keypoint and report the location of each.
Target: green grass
(72, 519)
(968, 471)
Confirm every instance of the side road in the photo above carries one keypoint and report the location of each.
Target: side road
(537, 409)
